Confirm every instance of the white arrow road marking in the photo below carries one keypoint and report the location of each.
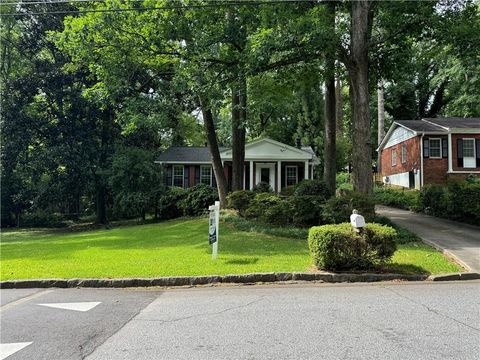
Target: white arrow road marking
(77, 306)
(8, 349)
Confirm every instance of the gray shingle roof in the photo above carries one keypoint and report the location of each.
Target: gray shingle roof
(420, 126)
(187, 154)
(459, 123)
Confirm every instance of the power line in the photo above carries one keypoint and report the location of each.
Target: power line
(153, 8)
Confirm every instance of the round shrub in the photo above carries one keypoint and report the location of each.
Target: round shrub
(278, 214)
(262, 187)
(338, 209)
(312, 187)
(169, 203)
(198, 199)
(340, 247)
(240, 200)
(260, 204)
(306, 210)
(433, 200)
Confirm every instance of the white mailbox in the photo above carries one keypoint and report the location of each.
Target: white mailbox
(357, 220)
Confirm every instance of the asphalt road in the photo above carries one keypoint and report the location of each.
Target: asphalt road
(303, 321)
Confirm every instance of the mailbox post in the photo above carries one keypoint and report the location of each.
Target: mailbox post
(357, 221)
(213, 222)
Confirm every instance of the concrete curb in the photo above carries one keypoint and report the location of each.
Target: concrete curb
(229, 279)
(205, 280)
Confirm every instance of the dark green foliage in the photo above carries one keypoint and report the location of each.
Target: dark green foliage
(400, 198)
(338, 209)
(288, 190)
(433, 200)
(169, 203)
(197, 199)
(260, 204)
(262, 187)
(313, 187)
(306, 210)
(278, 214)
(339, 247)
(458, 201)
(43, 219)
(240, 200)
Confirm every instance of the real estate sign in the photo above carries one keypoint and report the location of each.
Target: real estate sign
(213, 221)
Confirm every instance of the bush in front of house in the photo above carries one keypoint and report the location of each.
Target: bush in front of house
(278, 214)
(433, 200)
(339, 247)
(260, 204)
(288, 190)
(240, 200)
(338, 209)
(306, 210)
(399, 198)
(312, 187)
(197, 199)
(262, 187)
(169, 204)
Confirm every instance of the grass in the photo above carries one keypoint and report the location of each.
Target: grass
(175, 248)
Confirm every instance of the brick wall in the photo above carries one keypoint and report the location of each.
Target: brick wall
(412, 161)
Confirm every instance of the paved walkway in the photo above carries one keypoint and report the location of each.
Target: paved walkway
(461, 241)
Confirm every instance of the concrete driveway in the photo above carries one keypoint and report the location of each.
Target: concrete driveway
(460, 241)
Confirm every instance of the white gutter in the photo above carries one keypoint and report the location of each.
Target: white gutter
(450, 166)
(421, 161)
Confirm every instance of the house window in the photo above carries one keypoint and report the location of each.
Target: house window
(291, 175)
(394, 157)
(206, 175)
(403, 154)
(469, 153)
(435, 148)
(177, 178)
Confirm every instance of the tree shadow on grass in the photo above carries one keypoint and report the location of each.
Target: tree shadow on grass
(407, 269)
(245, 261)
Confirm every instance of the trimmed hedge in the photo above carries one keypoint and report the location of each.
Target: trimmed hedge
(458, 201)
(240, 200)
(339, 247)
(197, 199)
(399, 198)
(260, 204)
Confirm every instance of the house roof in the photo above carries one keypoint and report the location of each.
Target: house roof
(260, 149)
(190, 154)
(435, 126)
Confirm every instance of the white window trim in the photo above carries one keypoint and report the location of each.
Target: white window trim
(286, 173)
(469, 157)
(403, 159)
(430, 148)
(394, 163)
(183, 175)
(211, 171)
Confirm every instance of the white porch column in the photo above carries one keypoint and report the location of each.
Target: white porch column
(450, 166)
(279, 176)
(306, 170)
(251, 175)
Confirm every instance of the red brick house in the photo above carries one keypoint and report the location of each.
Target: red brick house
(266, 160)
(430, 151)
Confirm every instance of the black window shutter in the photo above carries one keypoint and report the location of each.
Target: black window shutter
(426, 148)
(186, 173)
(460, 153)
(444, 147)
(477, 146)
(197, 174)
(169, 175)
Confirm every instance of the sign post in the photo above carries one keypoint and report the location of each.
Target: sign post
(213, 222)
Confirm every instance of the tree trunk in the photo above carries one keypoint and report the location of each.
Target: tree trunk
(339, 107)
(213, 147)
(329, 154)
(358, 71)
(238, 132)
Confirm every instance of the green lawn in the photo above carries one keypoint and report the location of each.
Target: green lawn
(178, 247)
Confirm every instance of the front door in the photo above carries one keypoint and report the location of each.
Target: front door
(265, 173)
